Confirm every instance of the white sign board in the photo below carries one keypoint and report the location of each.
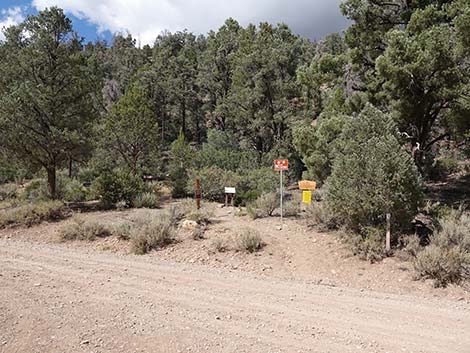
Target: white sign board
(230, 190)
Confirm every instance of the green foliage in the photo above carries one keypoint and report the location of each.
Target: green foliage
(320, 217)
(180, 163)
(32, 213)
(46, 95)
(372, 175)
(8, 191)
(131, 128)
(75, 191)
(264, 205)
(146, 200)
(115, 186)
(213, 182)
(368, 244)
(317, 145)
(81, 229)
(245, 198)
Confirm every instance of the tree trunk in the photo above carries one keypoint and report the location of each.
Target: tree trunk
(70, 167)
(51, 182)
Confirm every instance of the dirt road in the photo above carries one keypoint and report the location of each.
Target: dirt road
(55, 298)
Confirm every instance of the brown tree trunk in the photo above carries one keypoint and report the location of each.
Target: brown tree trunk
(51, 182)
(70, 167)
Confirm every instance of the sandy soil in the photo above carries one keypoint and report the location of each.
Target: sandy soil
(303, 293)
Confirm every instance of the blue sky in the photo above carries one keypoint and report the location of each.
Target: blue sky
(145, 19)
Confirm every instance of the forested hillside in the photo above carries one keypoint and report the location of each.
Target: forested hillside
(376, 115)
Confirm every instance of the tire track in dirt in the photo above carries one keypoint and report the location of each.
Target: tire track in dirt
(205, 309)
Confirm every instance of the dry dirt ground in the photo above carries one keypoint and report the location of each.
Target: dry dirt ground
(303, 292)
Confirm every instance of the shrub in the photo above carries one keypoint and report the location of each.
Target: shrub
(264, 206)
(81, 229)
(261, 181)
(372, 174)
(213, 182)
(146, 200)
(75, 191)
(8, 191)
(117, 186)
(447, 258)
(123, 231)
(219, 244)
(180, 162)
(247, 197)
(320, 217)
(32, 213)
(369, 244)
(250, 241)
(412, 245)
(201, 217)
(180, 210)
(444, 167)
(156, 234)
(198, 232)
(291, 208)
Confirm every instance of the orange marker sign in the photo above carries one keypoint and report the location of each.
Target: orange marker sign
(281, 164)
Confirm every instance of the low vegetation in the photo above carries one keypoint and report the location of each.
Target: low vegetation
(80, 228)
(27, 214)
(156, 234)
(447, 257)
(263, 206)
(249, 241)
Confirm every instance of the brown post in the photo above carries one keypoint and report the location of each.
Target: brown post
(233, 197)
(198, 194)
(387, 236)
(226, 200)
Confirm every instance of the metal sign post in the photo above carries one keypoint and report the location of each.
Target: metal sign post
(281, 165)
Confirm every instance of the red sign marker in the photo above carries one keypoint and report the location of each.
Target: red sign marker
(281, 164)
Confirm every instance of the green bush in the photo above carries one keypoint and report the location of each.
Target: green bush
(447, 258)
(75, 191)
(156, 234)
(213, 182)
(180, 210)
(318, 216)
(117, 186)
(444, 167)
(32, 213)
(123, 230)
(245, 198)
(264, 206)
(262, 181)
(81, 229)
(373, 175)
(8, 191)
(146, 200)
(250, 241)
(291, 208)
(369, 244)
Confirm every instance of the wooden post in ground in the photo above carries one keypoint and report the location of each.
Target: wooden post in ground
(198, 194)
(387, 236)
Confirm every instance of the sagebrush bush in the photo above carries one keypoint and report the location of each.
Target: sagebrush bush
(412, 245)
(8, 191)
(249, 241)
(198, 232)
(180, 210)
(123, 230)
(264, 206)
(369, 244)
(81, 229)
(213, 182)
(201, 217)
(373, 175)
(32, 213)
(146, 200)
(154, 235)
(318, 216)
(447, 258)
(219, 244)
(291, 208)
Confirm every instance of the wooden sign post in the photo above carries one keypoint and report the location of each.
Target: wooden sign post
(307, 187)
(197, 187)
(281, 165)
(231, 192)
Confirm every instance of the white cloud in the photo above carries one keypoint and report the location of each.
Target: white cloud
(145, 19)
(10, 17)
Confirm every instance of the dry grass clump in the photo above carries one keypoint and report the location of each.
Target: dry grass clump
(32, 213)
(146, 200)
(156, 234)
(219, 244)
(318, 216)
(249, 241)
(81, 229)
